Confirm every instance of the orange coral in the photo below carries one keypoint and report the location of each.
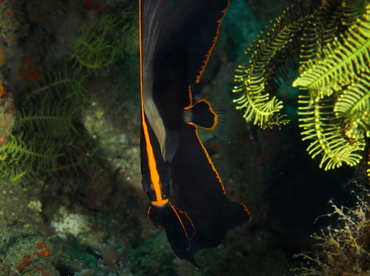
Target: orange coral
(3, 55)
(2, 90)
(91, 5)
(28, 71)
(25, 262)
(43, 253)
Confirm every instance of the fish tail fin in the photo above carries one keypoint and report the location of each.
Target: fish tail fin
(178, 226)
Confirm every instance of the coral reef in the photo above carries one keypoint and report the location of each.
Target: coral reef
(342, 249)
(79, 208)
(14, 24)
(331, 43)
(34, 254)
(7, 111)
(46, 148)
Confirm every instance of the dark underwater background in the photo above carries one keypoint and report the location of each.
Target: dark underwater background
(71, 201)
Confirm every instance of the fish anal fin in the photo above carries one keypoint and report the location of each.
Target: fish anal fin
(197, 188)
(179, 228)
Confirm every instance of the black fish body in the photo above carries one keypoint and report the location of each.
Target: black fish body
(186, 193)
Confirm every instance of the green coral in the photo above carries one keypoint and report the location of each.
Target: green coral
(113, 36)
(333, 45)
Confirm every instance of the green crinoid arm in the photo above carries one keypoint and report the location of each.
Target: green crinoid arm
(271, 52)
(114, 35)
(342, 60)
(353, 106)
(320, 125)
(58, 83)
(22, 157)
(52, 120)
(14, 174)
(94, 49)
(260, 109)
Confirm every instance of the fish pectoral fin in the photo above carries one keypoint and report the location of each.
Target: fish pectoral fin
(178, 226)
(172, 142)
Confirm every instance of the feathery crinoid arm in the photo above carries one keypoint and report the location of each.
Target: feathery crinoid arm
(321, 127)
(258, 79)
(340, 63)
(331, 46)
(353, 108)
(337, 113)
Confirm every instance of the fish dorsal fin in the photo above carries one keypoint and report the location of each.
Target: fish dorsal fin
(192, 26)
